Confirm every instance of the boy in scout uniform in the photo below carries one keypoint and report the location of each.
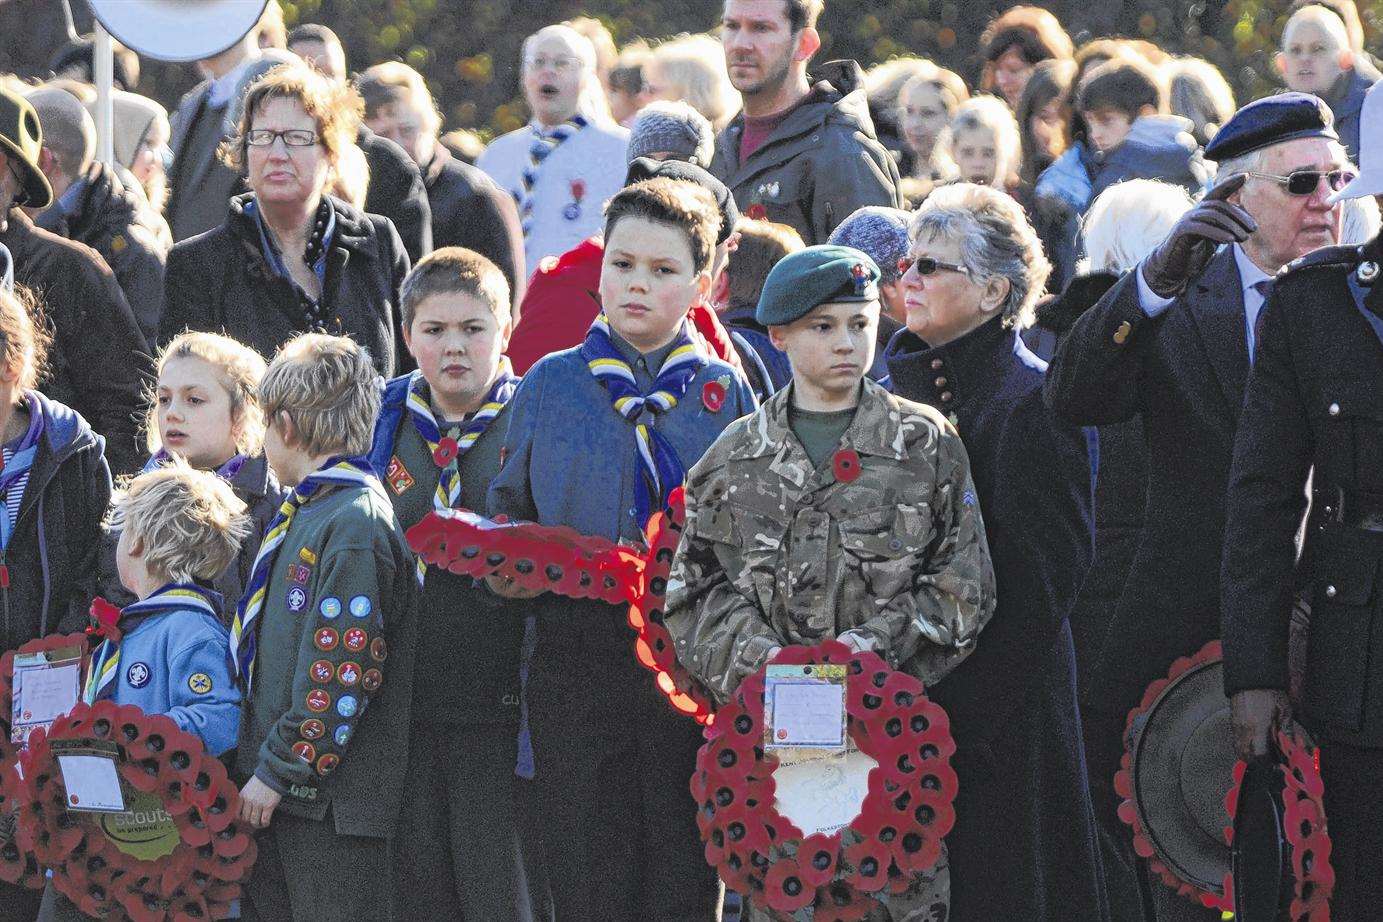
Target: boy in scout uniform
(837, 510)
(437, 446)
(323, 642)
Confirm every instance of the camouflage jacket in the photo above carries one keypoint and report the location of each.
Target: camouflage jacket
(776, 552)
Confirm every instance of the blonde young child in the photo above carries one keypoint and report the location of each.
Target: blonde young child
(204, 408)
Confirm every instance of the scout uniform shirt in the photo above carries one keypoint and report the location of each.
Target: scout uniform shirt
(475, 679)
(329, 711)
(884, 540)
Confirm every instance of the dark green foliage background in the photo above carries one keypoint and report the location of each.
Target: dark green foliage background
(469, 49)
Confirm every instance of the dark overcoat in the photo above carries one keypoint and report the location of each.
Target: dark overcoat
(1024, 845)
(469, 210)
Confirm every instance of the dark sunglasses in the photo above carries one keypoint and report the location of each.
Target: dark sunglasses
(1306, 182)
(925, 265)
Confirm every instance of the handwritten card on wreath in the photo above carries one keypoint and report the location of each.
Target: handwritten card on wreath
(805, 707)
(45, 687)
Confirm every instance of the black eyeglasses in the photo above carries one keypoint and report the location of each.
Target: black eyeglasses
(925, 265)
(1306, 182)
(293, 137)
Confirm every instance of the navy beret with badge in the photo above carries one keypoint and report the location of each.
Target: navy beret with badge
(813, 276)
(1272, 120)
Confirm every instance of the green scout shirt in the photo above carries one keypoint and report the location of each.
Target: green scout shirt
(328, 718)
(468, 671)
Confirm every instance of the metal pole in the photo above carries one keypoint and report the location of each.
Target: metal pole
(105, 82)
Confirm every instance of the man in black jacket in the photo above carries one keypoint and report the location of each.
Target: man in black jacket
(396, 188)
(91, 205)
(1170, 343)
(1315, 400)
(99, 356)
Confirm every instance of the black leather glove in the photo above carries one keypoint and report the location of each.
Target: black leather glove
(1187, 250)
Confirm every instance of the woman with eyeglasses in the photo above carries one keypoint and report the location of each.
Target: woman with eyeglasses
(291, 258)
(1024, 845)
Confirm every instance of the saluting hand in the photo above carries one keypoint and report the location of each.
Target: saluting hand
(1187, 250)
(258, 802)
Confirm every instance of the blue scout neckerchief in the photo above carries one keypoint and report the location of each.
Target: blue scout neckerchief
(105, 662)
(545, 141)
(15, 472)
(448, 490)
(337, 472)
(662, 469)
(226, 471)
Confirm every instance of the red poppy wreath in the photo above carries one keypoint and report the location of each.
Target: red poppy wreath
(17, 864)
(898, 833)
(178, 853)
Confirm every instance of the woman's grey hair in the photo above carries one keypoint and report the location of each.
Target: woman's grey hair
(1128, 220)
(996, 241)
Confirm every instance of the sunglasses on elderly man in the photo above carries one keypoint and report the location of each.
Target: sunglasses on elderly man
(926, 265)
(1306, 182)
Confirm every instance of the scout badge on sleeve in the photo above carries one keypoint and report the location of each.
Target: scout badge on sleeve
(873, 830)
(163, 843)
(1221, 833)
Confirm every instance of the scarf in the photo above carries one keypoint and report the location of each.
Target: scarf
(16, 461)
(662, 469)
(545, 141)
(105, 662)
(337, 472)
(447, 451)
(318, 246)
(226, 471)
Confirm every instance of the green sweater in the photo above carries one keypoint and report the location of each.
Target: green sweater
(338, 632)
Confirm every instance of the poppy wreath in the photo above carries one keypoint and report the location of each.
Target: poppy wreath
(1123, 784)
(1304, 826)
(17, 865)
(197, 878)
(906, 812)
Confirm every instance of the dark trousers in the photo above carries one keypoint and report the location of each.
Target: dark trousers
(307, 872)
(18, 904)
(613, 766)
(1354, 816)
(459, 853)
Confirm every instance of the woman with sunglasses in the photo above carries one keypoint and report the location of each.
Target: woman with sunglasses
(1024, 845)
(290, 258)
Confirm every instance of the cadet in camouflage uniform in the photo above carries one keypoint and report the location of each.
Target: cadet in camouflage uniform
(835, 510)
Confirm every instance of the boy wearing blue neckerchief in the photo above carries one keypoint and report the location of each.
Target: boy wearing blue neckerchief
(168, 653)
(598, 436)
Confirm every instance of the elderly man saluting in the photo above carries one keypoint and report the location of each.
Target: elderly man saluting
(1172, 343)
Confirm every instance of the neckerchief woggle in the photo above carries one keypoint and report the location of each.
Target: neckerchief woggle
(448, 451)
(661, 469)
(337, 472)
(105, 662)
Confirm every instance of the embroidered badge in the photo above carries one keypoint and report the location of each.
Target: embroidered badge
(348, 673)
(330, 607)
(346, 706)
(379, 650)
(372, 680)
(305, 751)
(713, 396)
(299, 573)
(137, 675)
(845, 464)
(318, 701)
(967, 498)
(861, 278)
(326, 763)
(356, 639)
(297, 599)
(322, 671)
(307, 556)
(326, 639)
(360, 606)
(397, 476)
(343, 734)
(199, 683)
(312, 729)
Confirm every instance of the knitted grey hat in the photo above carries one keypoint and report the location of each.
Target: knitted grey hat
(67, 128)
(880, 232)
(675, 128)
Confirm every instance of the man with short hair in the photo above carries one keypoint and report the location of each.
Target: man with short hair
(563, 165)
(396, 188)
(1172, 343)
(801, 154)
(99, 356)
(93, 206)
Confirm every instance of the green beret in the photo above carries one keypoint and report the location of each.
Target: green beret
(817, 275)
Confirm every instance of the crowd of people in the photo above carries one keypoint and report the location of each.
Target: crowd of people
(1099, 348)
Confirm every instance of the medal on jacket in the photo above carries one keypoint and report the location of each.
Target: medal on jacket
(578, 192)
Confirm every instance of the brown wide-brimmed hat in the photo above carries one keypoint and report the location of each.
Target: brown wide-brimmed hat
(22, 138)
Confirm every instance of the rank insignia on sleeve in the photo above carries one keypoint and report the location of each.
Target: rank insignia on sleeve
(200, 683)
(397, 476)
